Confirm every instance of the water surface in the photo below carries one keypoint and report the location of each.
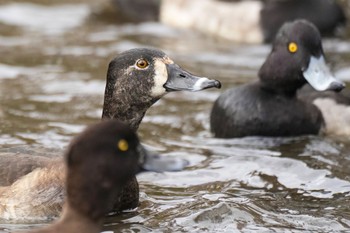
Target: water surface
(52, 78)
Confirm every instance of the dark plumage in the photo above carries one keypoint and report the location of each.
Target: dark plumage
(326, 15)
(136, 79)
(99, 161)
(130, 91)
(250, 21)
(270, 106)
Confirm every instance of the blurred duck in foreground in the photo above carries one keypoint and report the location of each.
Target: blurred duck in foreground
(271, 106)
(249, 21)
(98, 163)
(33, 186)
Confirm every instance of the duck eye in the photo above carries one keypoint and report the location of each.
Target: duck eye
(142, 64)
(292, 47)
(123, 145)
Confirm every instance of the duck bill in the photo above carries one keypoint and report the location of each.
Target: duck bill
(181, 80)
(150, 161)
(319, 76)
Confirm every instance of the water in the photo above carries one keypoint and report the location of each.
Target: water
(52, 78)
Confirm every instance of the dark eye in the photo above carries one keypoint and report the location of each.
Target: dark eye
(142, 64)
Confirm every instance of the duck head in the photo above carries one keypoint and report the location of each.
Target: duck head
(137, 78)
(297, 58)
(101, 160)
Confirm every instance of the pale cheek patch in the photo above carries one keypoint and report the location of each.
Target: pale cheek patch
(167, 60)
(160, 78)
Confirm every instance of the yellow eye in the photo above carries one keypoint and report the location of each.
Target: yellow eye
(123, 145)
(142, 63)
(293, 47)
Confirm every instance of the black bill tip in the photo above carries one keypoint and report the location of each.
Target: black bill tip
(217, 84)
(337, 86)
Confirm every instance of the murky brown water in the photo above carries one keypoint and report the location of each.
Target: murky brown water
(52, 76)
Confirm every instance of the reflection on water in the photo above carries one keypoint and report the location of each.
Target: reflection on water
(51, 85)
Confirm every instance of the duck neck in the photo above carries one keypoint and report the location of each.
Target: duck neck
(281, 79)
(125, 103)
(123, 111)
(72, 221)
(287, 92)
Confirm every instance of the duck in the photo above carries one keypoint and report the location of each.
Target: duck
(271, 105)
(136, 79)
(252, 21)
(97, 164)
(335, 108)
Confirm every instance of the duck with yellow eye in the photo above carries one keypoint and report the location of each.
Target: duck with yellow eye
(136, 79)
(270, 106)
(293, 47)
(96, 171)
(123, 145)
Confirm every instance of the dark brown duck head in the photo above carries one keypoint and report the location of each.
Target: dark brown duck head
(137, 78)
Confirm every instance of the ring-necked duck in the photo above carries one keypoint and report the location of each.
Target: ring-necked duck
(252, 21)
(136, 79)
(270, 106)
(98, 163)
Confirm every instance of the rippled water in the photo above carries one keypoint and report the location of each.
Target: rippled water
(52, 76)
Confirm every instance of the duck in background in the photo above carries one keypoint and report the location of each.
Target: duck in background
(335, 108)
(270, 106)
(326, 15)
(136, 79)
(98, 163)
(252, 21)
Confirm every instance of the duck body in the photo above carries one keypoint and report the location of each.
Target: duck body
(235, 21)
(326, 15)
(271, 106)
(71, 221)
(252, 110)
(97, 164)
(335, 108)
(136, 79)
(38, 195)
(130, 10)
(250, 21)
(10, 171)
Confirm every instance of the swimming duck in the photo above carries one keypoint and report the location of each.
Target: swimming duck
(270, 106)
(252, 21)
(98, 162)
(136, 79)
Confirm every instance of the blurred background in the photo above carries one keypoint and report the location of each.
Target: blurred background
(53, 62)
